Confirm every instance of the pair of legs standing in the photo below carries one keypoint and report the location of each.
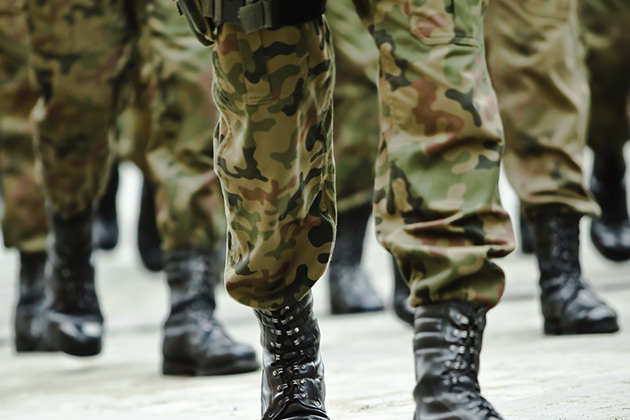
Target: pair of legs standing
(90, 63)
(436, 199)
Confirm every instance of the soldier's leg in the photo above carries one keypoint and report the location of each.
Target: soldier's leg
(536, 60)
(355, 137)
(188, 201)
(607, 26)
(437, 202)
(82, 58)
(274, 158)
(24, 223)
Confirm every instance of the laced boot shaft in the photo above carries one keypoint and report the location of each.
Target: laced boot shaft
(75, 322)
(30, 322)
(350, 288)
(195, 343)
(293, 372)
(569, 305)
(447, 342)
(32, 287)
(610, 232)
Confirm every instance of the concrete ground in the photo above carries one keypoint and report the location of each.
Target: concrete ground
(369, 364)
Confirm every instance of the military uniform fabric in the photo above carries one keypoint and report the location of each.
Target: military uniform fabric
(274, 158)
(606, 24)
(24, 222)
(93, 59)
(437, 203)
(84, 59)
(536, 58)
(189, 203)
(356, 123)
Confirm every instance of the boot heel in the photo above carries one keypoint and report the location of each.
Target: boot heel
(177, 368)
(24, 344)
(552, 327)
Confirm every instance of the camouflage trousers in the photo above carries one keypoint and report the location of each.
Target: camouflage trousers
(92, 59)
(436, 197)
(607, 28)
(536, 59)
(356, 128)
(23, 221)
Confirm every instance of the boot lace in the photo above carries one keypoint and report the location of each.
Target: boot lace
(465, 365)
(290, 356)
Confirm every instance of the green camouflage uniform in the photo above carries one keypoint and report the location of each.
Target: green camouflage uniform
(92, 59)
(356, 128)
(24, 223)
(188, 201)
(436, 196)
(607, 27)
(536, 59)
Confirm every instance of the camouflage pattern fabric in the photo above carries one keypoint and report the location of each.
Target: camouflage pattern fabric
(24, 222)
(92, 60)
(189, 203)
(537, 64)
(607, 27)
(274, 158)
(436, 194)
(356, 128)
(84, 60)
(437, 204)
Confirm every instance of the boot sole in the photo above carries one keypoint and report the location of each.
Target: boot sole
(74, 347)
(28, 346)
(183, 368)
(607, 326)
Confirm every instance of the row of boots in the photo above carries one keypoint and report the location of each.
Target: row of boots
(569, 304)
(447, 335)
(58, 308)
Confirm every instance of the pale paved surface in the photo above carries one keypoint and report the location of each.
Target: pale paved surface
(368, 358)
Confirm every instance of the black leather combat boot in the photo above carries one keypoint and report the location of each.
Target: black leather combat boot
(149, 240)
(447, 341)
(30, 322)
(195, 343)
(350, 288)
(106, 221)
(75, 323)
(293, 372)
(401, 295)
(610, 232)
(569, 305)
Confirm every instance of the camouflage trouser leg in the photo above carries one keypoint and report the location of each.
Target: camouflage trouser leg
(189, 203)
(437, 202)
(133, 128)
(274, 158)
(356, 128)
(83, 59)
(24, 221)
(536, 61)
(607, 27)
